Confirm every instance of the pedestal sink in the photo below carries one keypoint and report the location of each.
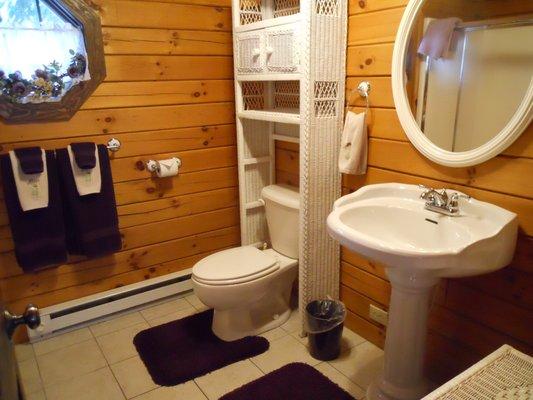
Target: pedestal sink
(388, 223)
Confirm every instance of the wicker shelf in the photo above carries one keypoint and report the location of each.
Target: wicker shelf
(286, 138)
(287, 116)
(269, 23)
(268, 77)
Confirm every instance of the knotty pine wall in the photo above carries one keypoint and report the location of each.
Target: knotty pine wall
(168, 92)
(471, 317)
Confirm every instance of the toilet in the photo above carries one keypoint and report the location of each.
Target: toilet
(250, 289)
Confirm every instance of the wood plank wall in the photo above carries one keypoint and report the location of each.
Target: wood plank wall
(168, 92)
(471, 317)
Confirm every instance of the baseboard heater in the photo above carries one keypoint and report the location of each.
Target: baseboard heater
(72, 314)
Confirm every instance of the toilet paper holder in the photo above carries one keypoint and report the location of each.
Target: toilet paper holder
(154, 166)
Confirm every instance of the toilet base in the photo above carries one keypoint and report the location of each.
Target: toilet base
(263, 315)
(245, 326)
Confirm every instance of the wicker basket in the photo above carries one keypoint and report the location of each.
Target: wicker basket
(506, 374)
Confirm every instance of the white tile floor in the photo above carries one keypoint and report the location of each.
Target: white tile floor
(100, 362)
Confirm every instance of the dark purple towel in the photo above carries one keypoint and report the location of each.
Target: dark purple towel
(91, 221)
(31, 160)
(84, 154)
(39, 235)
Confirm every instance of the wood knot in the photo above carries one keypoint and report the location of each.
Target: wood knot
(108, 119)
(206, 142)
(140, 165)
(220, 25)
(150, 190)
(197, 94)
(369, 61)
(205, 128)
(362, 3)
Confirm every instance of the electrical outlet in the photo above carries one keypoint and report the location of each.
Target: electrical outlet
(379, 315)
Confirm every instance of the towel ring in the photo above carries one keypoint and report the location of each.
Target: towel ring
(363, 89)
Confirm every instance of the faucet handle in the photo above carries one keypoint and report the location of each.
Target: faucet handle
(426, 192)
(456, 196)
(453, 206)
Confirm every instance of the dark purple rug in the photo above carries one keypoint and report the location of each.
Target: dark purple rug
(187, 348)
(295, 381)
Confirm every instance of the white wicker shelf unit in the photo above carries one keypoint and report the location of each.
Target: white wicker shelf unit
(289, 85)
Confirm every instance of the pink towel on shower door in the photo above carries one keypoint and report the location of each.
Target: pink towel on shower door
(437, 39)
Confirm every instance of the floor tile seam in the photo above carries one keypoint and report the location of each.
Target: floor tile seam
(258, 367)
(124, 360)
(74, 377)
(113, 331)
(342, 373)
(111, 370)
(40, 378)
(122, 329)
(347, 377)
(118, 383)
(65, 347)
(62, 381)
(199, 387)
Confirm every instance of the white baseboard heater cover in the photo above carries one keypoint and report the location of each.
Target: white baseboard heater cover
(65, 316)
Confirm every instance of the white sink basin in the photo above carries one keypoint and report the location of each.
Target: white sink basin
(389, 223)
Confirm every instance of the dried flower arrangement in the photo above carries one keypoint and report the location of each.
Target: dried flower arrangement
(47, 84)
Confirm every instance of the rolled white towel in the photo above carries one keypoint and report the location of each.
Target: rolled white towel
(354, 145)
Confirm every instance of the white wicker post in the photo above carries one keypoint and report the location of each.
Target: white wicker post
(290, 58)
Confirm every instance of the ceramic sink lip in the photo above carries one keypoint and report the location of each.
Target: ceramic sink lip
(344, 233)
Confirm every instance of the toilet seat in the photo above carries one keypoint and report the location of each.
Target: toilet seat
(233, 266)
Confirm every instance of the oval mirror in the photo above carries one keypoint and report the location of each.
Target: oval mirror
(462, 77)
(51, 58)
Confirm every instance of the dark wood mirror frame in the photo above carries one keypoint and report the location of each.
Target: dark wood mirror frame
(14, 113)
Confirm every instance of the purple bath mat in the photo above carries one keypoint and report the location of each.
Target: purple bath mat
(295, 381)
(187, 348)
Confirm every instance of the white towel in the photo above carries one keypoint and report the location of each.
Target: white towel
(438, 37)
(354, 145)
(32, 189)
(88, 181)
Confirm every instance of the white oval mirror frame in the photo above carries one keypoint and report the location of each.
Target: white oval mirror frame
(514, 128)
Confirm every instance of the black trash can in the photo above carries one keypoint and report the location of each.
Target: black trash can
(324, 321)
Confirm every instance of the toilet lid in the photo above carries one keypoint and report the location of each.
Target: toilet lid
(235, 265)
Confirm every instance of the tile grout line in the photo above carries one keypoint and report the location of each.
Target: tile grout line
(199, 388)
(109, 367)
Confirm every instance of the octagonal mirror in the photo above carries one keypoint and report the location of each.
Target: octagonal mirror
(51, 58)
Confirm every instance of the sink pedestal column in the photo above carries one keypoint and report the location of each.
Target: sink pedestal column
(405, 344)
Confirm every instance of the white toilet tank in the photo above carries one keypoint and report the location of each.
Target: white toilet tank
(282, 205)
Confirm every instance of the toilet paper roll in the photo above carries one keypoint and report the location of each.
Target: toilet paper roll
(168, 167)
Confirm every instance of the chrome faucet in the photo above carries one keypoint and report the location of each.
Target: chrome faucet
(440, 202)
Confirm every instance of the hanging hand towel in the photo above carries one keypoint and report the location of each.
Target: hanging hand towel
(31, 159)
(438, 37)
(30, 175)
(88, 179)
(84, 154)
(38, 234)
(354, 145)
(91, 219)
